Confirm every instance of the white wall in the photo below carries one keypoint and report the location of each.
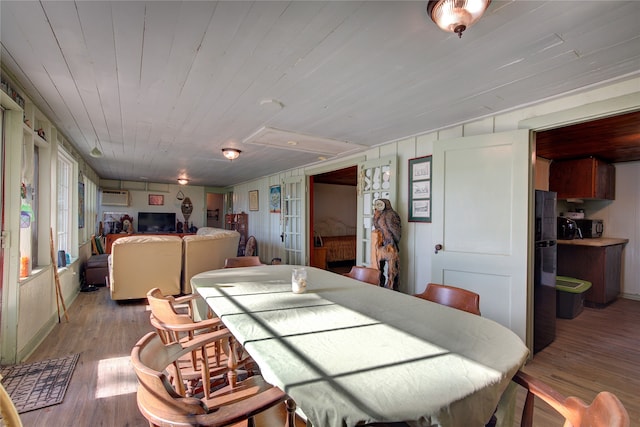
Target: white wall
(335, 203)
(139, 202)
(416, 243)
(29, 309)
(265, 226)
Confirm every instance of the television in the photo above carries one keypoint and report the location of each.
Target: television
(156, 222)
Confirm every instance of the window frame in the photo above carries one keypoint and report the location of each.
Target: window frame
(66, 203)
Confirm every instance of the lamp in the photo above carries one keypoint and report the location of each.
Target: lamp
(95, 152)
(456, 15)
(231, 153)
(183, 181)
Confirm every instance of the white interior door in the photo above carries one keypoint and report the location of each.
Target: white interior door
(293, 217)
(377, 179)
(481, 192)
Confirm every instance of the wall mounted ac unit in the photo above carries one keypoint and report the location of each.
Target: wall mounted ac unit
(115, 198)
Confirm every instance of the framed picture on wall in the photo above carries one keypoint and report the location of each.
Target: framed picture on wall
(156, 200)
(274, 199)
(420, 189)
(253, 200)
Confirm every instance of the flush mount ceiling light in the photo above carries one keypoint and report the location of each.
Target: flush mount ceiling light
(183, 181)
(456, 15)
(95, 152)
(231, 153)
(272, 103)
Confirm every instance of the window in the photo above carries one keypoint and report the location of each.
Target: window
(28, 207)
(66, 183)
(35, 206)
(90, 209)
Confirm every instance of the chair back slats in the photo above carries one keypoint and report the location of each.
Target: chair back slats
(174, 327)
(161, 405)
(156, 394)
(163, 308)
(452, 296)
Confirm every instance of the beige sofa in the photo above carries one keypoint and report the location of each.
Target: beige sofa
(205, 251)
(142, 262)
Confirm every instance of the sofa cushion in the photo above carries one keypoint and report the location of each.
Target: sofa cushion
(212, 231)
(207, 252)
(142, 262)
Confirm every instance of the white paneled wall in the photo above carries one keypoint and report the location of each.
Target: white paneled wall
(416, 244)
(263, 225)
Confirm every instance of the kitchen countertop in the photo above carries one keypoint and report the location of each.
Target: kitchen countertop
(600, 241)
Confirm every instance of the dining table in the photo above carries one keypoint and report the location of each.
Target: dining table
(350, 353)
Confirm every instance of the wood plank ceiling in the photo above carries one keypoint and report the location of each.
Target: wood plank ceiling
(612, 139)
(162, 86)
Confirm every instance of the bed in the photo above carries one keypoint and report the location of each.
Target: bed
(338, 237)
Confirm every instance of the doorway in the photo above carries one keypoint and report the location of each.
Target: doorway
(333, 219)
(215, 210)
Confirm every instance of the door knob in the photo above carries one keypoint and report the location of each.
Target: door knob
(438, 247)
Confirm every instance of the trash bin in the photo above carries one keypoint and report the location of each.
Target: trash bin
(570, 296)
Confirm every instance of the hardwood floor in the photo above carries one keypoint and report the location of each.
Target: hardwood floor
(102, 391)
(598, 350)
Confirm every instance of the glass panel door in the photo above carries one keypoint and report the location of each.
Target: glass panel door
(376, 180)
(293, 217)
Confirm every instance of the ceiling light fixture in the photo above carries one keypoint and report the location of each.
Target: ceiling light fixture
(456, 15)
(183, 181)
(273, 103)
(231, 153)
(95, 152)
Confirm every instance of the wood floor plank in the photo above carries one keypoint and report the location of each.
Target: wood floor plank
(103, 386)
(598, 350)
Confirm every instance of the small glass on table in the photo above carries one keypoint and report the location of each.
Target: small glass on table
(299, 280)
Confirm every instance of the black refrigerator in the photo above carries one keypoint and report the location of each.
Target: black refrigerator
(544, 276)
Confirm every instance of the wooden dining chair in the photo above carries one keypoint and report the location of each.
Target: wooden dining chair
(452, 296)
(8, 409)
(173, 327)
(239, 401)
(242, 261)
(176, 316)
(364, 274)
(605, 410)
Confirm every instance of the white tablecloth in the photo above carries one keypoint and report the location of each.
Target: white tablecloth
(349, 352)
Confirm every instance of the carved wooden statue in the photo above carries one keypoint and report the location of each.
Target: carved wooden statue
(186, 207)
(385, 238)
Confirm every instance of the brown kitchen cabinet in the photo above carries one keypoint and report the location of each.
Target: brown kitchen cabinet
(597, 260)
(240, 223)
(587, 178)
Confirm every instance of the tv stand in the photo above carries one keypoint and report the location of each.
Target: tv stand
(113, 237)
